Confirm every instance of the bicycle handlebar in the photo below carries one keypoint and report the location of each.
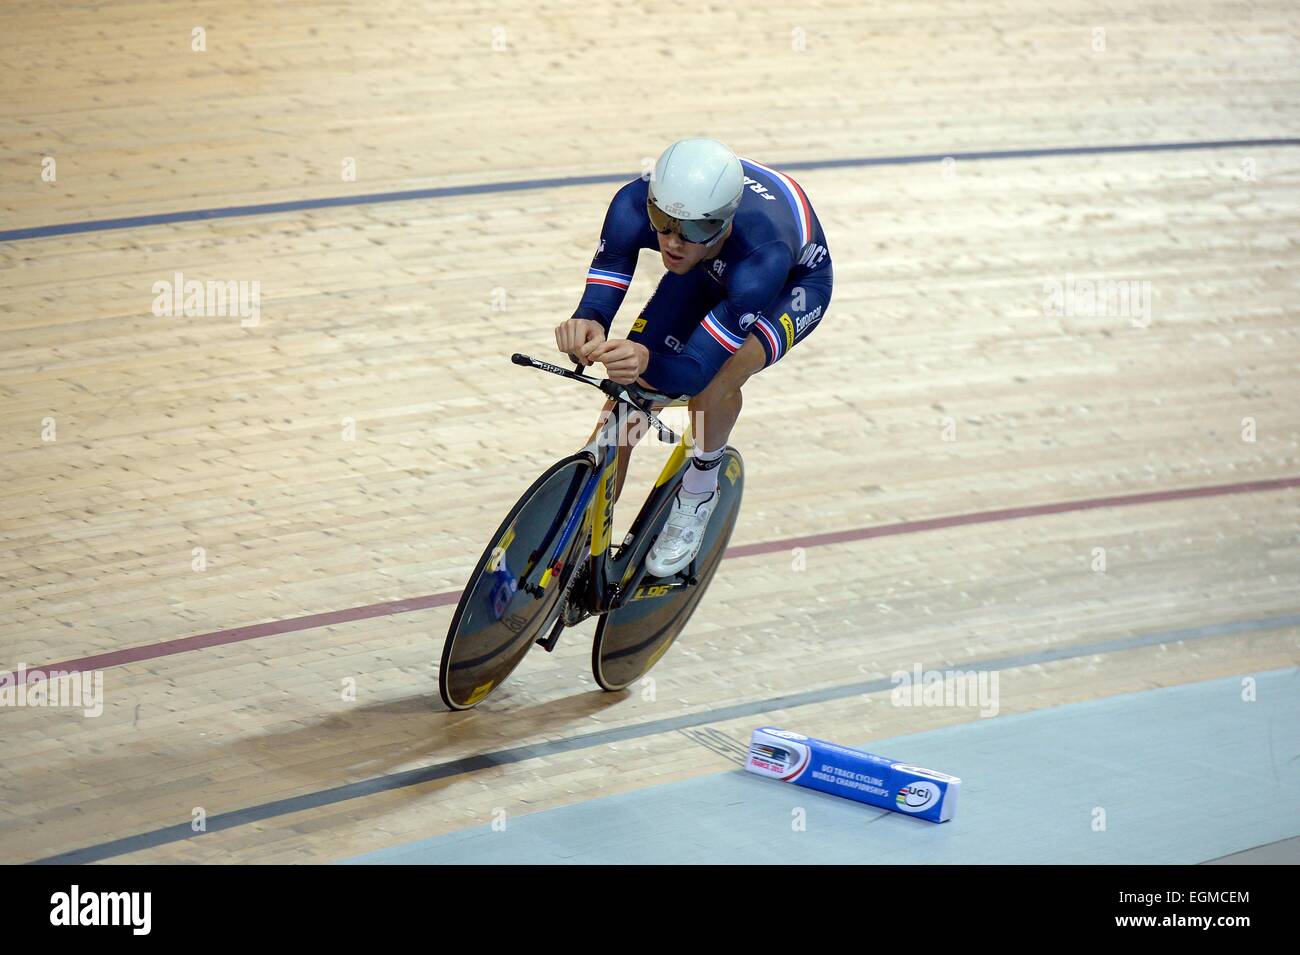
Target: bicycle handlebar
(632, 394)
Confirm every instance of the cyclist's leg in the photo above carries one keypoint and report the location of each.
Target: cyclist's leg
(665, 325)
(634, 431)
(791, 317)
(715, 409)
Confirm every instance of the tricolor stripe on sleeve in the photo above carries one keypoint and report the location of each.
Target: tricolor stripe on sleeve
(720, 334)
(775, 340)
(609, 279)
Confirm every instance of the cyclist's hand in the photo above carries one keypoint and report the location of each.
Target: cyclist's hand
(577, 336)
(624, 360)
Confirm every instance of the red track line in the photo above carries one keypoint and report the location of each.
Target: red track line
(218, 638)
(311, 621)
(1009, 514)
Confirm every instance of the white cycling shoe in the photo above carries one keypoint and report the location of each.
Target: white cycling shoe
(682, 535)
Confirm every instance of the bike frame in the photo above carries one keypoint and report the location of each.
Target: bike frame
(581, 502)
(611, 581)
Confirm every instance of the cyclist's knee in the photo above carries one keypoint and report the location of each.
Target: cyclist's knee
(724, 389)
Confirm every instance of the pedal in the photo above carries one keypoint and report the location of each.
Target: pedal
(548, 643)
(688, 577)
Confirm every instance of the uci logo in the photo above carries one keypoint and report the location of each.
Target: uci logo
(918, 795)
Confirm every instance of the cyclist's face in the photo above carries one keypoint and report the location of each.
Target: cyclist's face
(681, 256)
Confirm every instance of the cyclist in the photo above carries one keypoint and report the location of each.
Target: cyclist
(749, 277)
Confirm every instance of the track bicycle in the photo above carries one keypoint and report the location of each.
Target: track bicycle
(551, 564)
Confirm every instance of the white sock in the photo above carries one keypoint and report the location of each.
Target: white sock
(697, 481)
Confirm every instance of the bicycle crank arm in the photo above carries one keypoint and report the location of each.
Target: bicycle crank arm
(548, 642)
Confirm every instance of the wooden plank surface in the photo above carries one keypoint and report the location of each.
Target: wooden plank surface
(358, 443)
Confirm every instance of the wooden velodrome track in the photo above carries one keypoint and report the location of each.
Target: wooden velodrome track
(341, 462)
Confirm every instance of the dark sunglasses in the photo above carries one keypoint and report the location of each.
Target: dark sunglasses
(699, 231)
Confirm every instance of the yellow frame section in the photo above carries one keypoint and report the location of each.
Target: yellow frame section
(601, 512)
(602, 516)
(675, 459)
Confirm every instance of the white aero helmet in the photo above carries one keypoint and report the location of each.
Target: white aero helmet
(695, 190)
